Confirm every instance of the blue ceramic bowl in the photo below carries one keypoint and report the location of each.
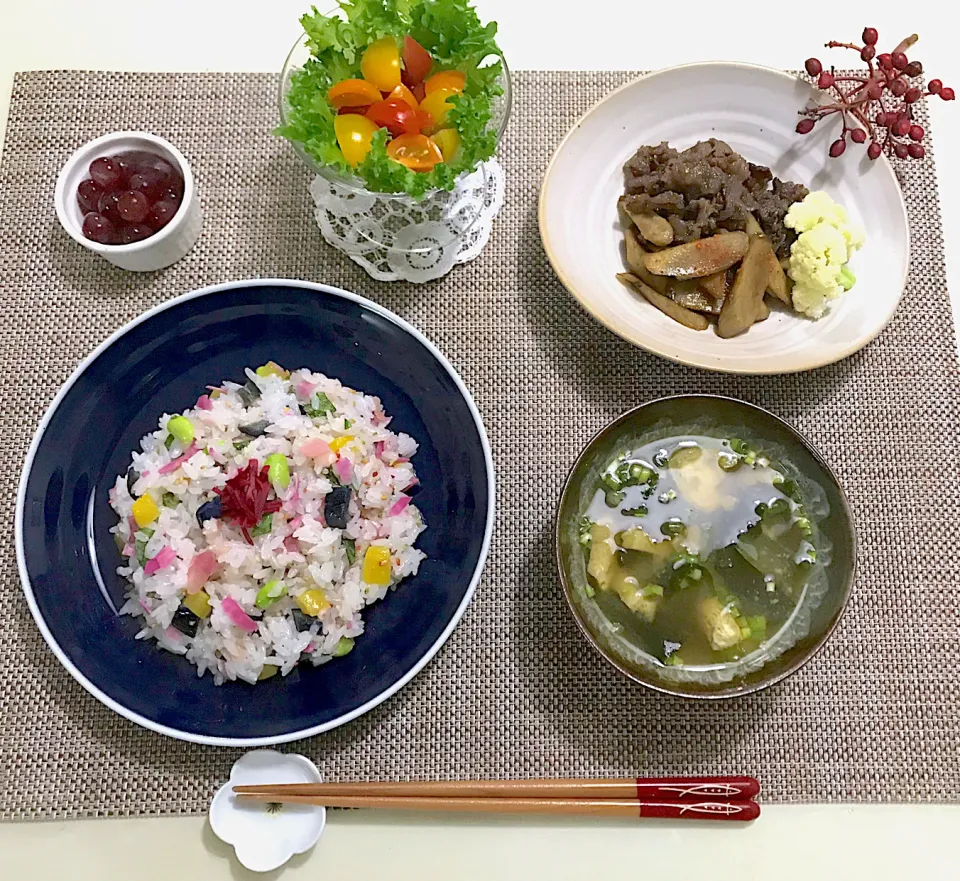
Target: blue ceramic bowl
(160, 363)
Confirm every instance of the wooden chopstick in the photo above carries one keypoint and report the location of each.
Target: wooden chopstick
(681, 810)
(639, 788)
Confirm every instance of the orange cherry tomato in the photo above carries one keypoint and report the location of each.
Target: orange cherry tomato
(448, 140)
(438, 105)
(402, 93)
(380, 64)
(416, 62)
(355, 136)
(416, 152)
(396, 116)
(419, 92)
(453, 80)
(353, 93)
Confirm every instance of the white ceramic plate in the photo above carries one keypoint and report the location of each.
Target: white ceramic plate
(754, 109)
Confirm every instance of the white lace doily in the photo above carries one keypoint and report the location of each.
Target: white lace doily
(394, 237)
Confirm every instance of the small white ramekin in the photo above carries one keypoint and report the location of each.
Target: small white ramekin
(162, 248)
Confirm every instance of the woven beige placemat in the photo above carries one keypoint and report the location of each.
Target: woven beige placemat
(516, 691)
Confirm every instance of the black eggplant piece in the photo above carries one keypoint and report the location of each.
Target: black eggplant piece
(185, 621)
(302, 622)
(248, 392)
(132, 477)
(255, 429)
(212, 510)
(336, 505)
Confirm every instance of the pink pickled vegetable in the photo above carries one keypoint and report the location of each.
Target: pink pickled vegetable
(315, 447)
(304, 389)
(145, 607)
(188, 453)
(132, 523)
(202, 566)
(237, 616)
(165, 556)
(173, 635)
(128, 550)
(378, 449)
(296, 523)
(399, 505)
(204, 403)
(344, 469)
(291, 544)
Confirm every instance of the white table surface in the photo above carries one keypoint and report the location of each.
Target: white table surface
(869, 842)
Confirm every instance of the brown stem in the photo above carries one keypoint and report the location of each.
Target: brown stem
(833, 44)
(906, 43)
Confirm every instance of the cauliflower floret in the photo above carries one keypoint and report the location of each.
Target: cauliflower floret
(818, 257)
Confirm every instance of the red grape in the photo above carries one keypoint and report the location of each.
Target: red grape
(813, 66)
(870, 36)
(901, 151)
(885, 60)
(147, 181)
(899, 60)
(825, 80)
(947, 94)
(107, 206)
(88, 195)
(98, 228)
(162, 213)
(874, 150)
(837, 147)
(912, 96)
(898, 88)
(133, 233)
(916, 151)
(934, 86)
(867, 52)
(133, 207)
(916, 133)
(858, 136)
(914, 68)
(105, 172)
(901, 127)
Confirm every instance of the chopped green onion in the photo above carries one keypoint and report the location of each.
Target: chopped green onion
(240, 444)
(757, 625)
(673, 527)
(584, 538)
(666, 497)
(589, 591)
(613, 498)
(651, 590)
(169, 500)
(661, 459)
(270, 593)
(750, 458)
(739, 446)
(319, 405)
(347, 423)
(674, 660)
(639, 511)
(611, 481)
(779, 506)
(264, 526)
(169, 441)
(350, 547)
(729, 461)
(761, 509)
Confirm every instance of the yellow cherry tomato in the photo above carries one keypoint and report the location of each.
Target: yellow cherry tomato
(376, 565)
(402, 93)
(454, 80)
(448, 140)
(438, 105)
(313, 602)
(380, 64)
(198, 603)
(145, 510)
(354, 135)
(338, 443)
(353, 93)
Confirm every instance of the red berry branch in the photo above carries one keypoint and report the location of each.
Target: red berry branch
(877, 104)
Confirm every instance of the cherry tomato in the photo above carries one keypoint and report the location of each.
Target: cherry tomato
(448, 140)
(380, 64)
(416, 61)
(453, 80)
(416, 152)
(402, 93)
(419, 92)
(396, 116)
(438, 105)
(354, 135)
(353, 93)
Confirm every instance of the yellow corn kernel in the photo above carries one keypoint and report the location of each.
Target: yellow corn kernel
(376, 565)
(313, 602)
(338, 443)
(268, 671)
(198, 603)
(145, 510)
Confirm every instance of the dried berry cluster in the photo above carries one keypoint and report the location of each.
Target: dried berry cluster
(877, 105)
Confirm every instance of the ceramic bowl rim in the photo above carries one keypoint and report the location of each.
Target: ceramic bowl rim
(287, 737)
(679, 689)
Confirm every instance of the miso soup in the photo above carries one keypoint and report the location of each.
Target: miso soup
(698, 548)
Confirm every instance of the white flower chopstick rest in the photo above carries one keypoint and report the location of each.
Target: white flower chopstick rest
(264, 836)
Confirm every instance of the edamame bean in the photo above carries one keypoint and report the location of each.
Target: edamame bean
(278, 470)
(269, 594)
(181, 428)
